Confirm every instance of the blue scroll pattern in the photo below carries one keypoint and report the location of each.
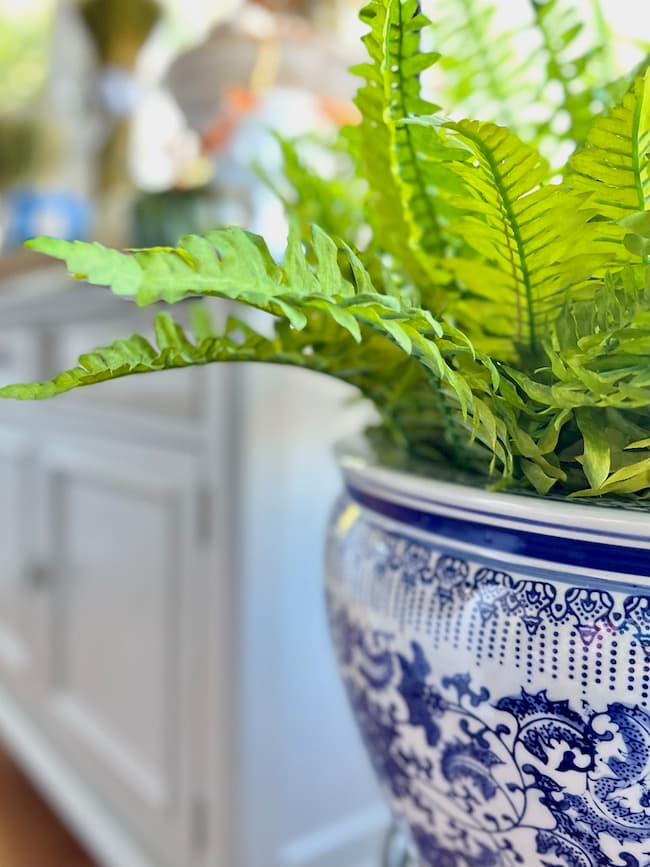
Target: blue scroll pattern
(484, 774)
(484, 780)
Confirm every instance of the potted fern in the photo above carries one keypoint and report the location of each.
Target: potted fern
(487, 566)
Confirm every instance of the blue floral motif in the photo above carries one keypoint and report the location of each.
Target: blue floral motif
(492, 701)
(565, 776)
(637, 613)
(492, 586)
(529, 600)
(462, 685)
(416, 566)
(544, 723)
(377, 667)
(450, 573)
(470, 760)
(381, 735)
(423, 702)
(592, 609)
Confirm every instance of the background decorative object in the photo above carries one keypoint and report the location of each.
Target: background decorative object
(118, 29)
(29, 211)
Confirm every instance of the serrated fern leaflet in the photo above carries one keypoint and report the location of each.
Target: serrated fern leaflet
(534, 242)
(614, 164)
(403, 166)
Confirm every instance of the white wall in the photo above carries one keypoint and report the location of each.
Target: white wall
(304, 767)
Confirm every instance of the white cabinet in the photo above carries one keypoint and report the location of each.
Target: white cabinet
(165, 670)
(121, 552)
(21, 575)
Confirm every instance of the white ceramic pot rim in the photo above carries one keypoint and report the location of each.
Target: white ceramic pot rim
(551, 516)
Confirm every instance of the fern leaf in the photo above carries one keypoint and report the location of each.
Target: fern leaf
(402, 165)
(236, 265)
(598, 382)
(534, 243)
(173, 349)
(614, 165)
(403, 391)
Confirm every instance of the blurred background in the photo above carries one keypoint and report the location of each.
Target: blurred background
(167, 688)
(168, 695)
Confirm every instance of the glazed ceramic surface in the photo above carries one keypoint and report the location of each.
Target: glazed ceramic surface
(496, 653)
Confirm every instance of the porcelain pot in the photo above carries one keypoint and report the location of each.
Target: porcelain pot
(496, 652)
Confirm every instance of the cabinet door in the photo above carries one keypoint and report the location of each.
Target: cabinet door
(120, 525)
(20, 572)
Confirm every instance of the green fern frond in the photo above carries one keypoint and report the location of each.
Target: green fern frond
(333, 201)
(614, 164)
(540, 365)
(598, 383)
(172, 349)
(236, 265)
(534, 242)
(599, 349)
(416, 417)
(403, 166)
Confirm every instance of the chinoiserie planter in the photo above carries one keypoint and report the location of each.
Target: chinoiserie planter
(496, 652)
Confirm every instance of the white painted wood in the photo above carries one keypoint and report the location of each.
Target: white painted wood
(20, 573)
(304, 774)
(19, 355)
(219, 735)
(120, 541)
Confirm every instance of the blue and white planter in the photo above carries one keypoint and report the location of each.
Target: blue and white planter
(496, 652)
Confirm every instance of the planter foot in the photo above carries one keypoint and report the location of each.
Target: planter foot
(396, 851)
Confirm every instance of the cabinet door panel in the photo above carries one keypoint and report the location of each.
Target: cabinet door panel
(120, 541)
(18, 568)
